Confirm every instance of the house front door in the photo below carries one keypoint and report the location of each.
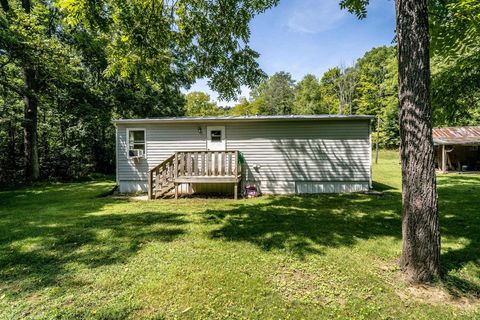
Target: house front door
(216, 138)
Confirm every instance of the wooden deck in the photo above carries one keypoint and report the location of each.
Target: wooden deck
(194, 167)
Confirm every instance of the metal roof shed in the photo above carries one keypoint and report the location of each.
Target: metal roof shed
(457, 148)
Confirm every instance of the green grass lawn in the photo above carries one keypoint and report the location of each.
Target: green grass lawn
(66, 253)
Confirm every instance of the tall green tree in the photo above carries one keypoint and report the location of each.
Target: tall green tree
(308, 96)
(31, 53)
(376, 92)
(455, 30)
(345, 86)
(337, 89)
(374, 69)
(244, 108)
(328, 91)
(199, 104)
(275, 96)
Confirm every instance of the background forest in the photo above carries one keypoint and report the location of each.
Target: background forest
(79, 65)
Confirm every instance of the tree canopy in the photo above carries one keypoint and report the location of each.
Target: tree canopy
(175, 41)
(67, 68)
(199, 104)
(308, 96)
(275, 95)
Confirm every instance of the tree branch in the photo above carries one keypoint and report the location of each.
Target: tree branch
(6, 63)
(11, 87)
(27, 6)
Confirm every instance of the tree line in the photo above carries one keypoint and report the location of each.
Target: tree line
(68, 67)
(368, 87)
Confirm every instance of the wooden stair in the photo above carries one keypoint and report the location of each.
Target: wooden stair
(162, 179)
(190, 167)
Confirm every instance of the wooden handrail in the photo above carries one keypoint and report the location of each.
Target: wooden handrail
(206, 163)
(195, 164)
(169, 159)
(153, 176)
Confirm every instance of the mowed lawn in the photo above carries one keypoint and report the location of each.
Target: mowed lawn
(67, 253)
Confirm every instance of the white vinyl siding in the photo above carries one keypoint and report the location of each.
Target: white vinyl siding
(162, 141)
(281, 156)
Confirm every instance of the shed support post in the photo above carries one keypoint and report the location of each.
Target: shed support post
(444, 159)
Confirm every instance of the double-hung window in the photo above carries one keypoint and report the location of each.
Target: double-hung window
(136, 143)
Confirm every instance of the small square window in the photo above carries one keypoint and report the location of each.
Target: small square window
(216, 135)
(136, 143)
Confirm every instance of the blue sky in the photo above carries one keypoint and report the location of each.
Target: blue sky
(311, 36)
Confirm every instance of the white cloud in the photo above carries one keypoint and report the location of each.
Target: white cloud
(315, 16)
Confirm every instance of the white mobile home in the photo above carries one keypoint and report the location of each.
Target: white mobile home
(277, 154)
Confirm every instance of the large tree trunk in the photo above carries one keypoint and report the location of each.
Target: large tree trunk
(420, 258)
(30, 123)
(30, 120)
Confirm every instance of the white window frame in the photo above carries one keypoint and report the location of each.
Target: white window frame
(128, 142)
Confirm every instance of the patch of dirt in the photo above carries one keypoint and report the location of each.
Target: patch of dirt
(436, 296)
(140, 197)
(32, 298)
(301, 285)
(424, 293)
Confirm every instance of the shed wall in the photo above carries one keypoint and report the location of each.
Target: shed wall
(280, 156)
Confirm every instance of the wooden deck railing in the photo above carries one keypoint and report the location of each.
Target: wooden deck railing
(194, 167)
(207, 163)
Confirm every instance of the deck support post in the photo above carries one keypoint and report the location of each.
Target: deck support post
(150, 186)
(176, 190)
(235, 191)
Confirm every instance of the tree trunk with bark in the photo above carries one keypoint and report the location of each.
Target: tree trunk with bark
(30, 124)
(420, 258)
(30, 119)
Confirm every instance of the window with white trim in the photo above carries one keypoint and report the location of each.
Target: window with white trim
(136, 143)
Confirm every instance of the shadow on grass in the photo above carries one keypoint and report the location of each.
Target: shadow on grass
(45, 232)
(65, 227)
(306, 225)
(381, 186)
(459, 203)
